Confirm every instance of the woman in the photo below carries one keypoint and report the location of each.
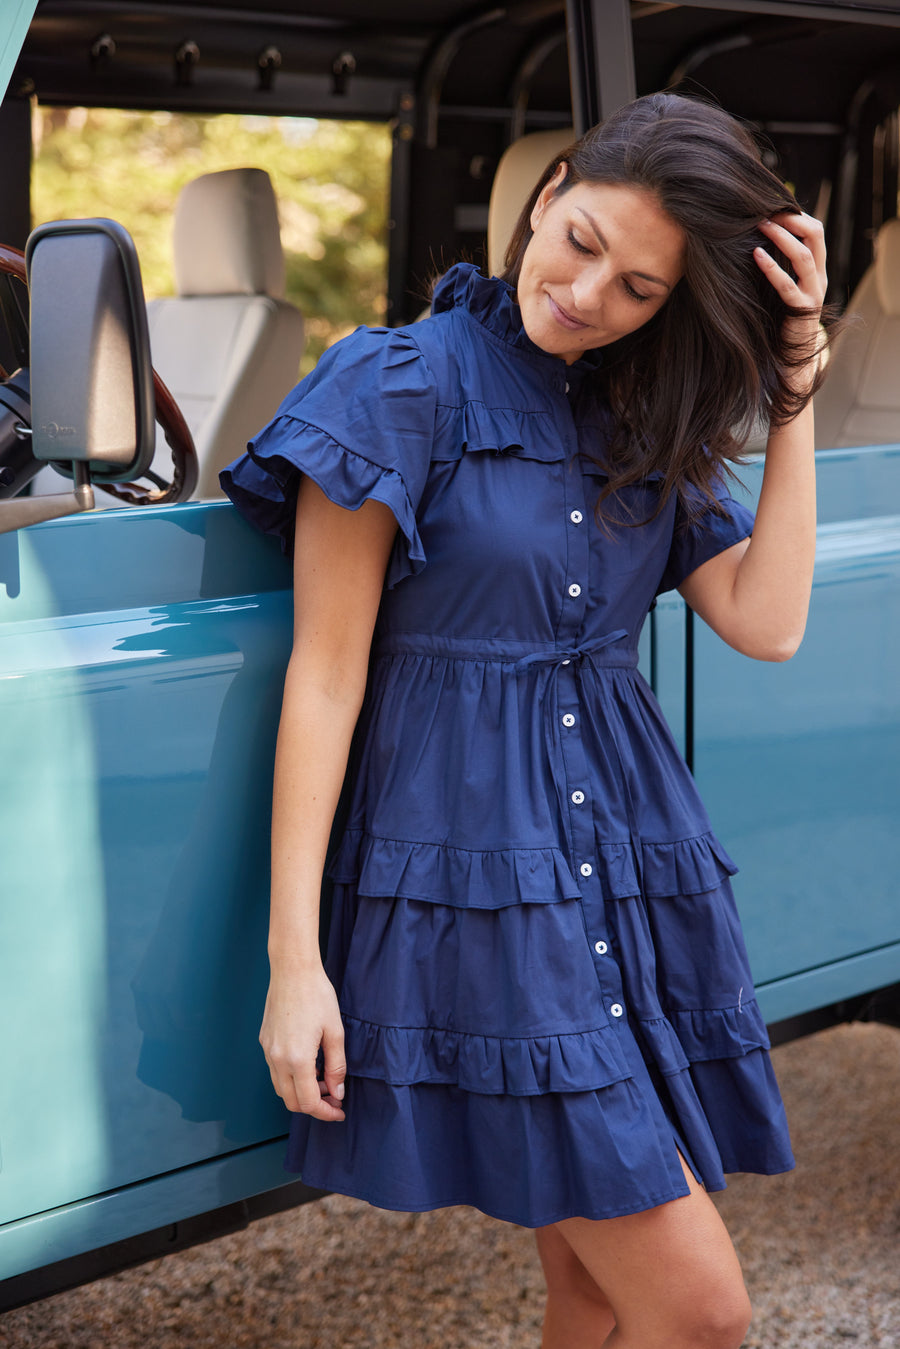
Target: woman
(536, 985)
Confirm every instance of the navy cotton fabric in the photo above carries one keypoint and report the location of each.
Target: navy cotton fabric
(534, 940)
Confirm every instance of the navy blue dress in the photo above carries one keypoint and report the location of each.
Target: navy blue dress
(534, 942)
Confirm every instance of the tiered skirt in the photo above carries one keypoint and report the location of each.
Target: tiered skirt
(489, 1064)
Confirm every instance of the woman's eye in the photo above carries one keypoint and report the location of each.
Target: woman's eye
(577, 244)
(635, 294)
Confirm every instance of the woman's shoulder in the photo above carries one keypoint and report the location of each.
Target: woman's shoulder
(369, 363)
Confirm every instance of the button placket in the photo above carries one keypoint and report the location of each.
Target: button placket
(577, 779)
(584, 846)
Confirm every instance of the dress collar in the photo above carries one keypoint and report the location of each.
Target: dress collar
(492, 303)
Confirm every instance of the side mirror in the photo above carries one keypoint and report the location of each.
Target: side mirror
(91, 379)
(91, 376)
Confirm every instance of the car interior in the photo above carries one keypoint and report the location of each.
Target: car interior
(478, 100)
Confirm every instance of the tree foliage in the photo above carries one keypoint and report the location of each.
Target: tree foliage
(330, 178)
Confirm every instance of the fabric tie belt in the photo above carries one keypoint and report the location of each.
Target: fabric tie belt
(573, 653)
(497, 649)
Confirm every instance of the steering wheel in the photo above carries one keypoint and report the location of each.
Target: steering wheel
(185, 469)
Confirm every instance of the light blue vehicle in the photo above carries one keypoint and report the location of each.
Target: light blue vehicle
(142, 649)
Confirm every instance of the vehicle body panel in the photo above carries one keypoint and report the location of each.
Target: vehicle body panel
(17, 16)
(799, 763)
(138, 741)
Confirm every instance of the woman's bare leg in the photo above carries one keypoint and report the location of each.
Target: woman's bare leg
(578, 1314)
(668, 1278)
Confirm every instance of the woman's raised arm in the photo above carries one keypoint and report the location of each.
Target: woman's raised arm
(340, 560)
(756, 594)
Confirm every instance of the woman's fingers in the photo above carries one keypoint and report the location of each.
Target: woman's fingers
(335, 1067)
(786, 286)
(304, 1093)
(801, 239)
(322, 1105)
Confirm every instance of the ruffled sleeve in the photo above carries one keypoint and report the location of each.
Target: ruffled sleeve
(361, 426)
(706, 535)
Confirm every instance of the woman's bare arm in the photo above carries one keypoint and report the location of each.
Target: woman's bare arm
(756, 594)
(339, 565)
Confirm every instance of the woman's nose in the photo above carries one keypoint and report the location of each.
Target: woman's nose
(589, 285)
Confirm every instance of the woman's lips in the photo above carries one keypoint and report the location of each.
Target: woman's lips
(564, 319)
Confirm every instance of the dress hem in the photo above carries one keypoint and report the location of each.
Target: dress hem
(655, 1201)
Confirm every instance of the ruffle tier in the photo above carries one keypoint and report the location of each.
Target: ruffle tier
(439, 873)
(460, 877)
(489, 1065)
(610, 1151)
(529, 1160)
(442, 924)
(520, 1066)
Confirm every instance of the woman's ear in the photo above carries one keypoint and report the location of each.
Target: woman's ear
(548, 191)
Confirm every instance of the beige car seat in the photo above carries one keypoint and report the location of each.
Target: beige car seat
(228, 345)
(859, 403)
(521, 165)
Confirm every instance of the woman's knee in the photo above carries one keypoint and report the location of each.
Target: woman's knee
(719, 1321)
(671, 1275)
(714, 1316)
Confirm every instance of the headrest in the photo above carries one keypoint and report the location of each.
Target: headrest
(227, 240)
(519, 169)
(887, 267)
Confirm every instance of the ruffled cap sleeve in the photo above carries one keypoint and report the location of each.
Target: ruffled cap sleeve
(361, 426)
(696, 540)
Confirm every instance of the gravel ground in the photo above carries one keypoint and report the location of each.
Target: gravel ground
(820, 1248)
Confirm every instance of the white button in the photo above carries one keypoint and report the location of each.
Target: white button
(576, 517)
(568, 719)
(578, 798)
(617, 1009)
(567, 386)
(601, 948)
(586, 869)
(565, 662)
(574, 590)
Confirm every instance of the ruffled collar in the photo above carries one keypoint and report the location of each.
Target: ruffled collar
(492, 303)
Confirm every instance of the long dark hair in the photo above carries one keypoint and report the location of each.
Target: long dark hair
(688, 387)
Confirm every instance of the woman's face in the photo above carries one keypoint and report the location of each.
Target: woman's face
(603, 259)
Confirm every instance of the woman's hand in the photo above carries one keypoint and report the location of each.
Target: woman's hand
(801, 239)
(301, 1016)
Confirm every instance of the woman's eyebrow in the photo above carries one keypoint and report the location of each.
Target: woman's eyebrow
(645, 276)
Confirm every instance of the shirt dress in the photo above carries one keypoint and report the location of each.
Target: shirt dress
(534, 941)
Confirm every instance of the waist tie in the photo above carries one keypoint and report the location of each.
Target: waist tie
(566, 656)
(550, 698)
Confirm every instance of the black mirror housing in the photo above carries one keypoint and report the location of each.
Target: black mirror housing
(91, 373)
